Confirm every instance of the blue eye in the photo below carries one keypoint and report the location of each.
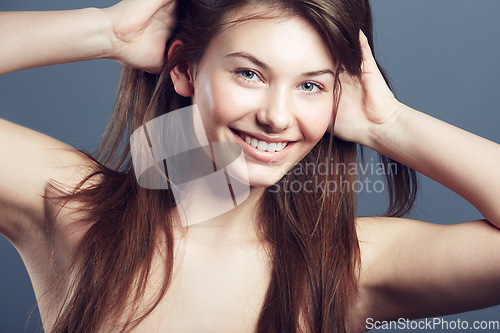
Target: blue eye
(247, 74)
(310, 87)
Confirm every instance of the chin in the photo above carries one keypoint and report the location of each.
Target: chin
(256, 175)
(266, 177)
(262, 184)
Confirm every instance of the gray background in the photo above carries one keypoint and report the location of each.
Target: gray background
(441, 55)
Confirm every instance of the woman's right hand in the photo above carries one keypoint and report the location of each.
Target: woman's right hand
(133, 32)
(139, 32)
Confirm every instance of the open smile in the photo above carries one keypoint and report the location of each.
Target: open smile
(263, 145)
(267, 150)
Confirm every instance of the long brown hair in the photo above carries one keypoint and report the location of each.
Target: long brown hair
(312, 235)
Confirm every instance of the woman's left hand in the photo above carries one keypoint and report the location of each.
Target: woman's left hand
(365, 102)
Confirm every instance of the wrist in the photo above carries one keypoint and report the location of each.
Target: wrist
(380, 135)
(85, 34)
(105, 43)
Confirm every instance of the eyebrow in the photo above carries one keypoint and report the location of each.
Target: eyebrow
(320, 72)
(266, 66)
(249, 57)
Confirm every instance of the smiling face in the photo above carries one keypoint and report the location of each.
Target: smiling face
(267, 85)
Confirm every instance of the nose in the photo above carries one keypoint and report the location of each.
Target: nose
(276, 114)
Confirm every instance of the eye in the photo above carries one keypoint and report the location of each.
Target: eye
(311, 87)
(247, 74)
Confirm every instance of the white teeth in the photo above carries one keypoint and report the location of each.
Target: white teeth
(264, 146)
(271, 147)
(280, 146)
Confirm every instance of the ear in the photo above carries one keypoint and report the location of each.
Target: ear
(181, 75)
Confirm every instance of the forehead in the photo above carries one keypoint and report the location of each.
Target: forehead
(272, 37)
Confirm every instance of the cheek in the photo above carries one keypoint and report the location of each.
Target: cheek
(233, 102)
(315, 119)
(223, 99)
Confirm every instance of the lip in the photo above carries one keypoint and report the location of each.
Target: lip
(259, 155)
(262, 137)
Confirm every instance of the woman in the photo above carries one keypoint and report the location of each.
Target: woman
(300, 258)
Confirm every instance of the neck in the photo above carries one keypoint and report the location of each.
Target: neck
(237, 226)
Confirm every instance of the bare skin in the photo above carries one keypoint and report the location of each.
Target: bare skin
(224, 271)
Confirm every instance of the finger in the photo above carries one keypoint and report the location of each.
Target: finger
(166, 15)
(368, 65)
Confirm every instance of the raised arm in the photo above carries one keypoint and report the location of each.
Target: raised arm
(133, 32)
(33, 39)
(464, 162)
(413, 269)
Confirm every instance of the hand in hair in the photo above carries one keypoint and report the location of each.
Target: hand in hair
(365, 102)
(140, 29)
(133, 32)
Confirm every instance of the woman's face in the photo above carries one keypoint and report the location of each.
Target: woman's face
(267, 85)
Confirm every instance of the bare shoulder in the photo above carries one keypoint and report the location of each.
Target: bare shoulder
(33, 163)
(35, 169)
(417, 269)
(375, 227)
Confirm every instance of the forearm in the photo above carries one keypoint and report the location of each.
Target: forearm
(32, 39)
(461, 161)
